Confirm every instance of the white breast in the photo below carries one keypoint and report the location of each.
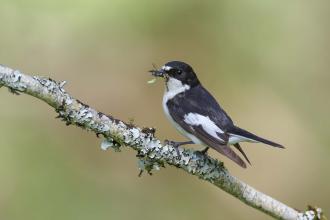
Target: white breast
(173, 88)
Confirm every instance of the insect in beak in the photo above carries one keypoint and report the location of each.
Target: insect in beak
(158, 73)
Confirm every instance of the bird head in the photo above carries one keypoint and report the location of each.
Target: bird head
(177, 72)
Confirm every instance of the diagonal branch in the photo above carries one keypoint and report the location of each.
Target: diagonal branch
(151, 152)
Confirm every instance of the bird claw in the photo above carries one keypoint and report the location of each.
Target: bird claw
(175, 145)
(13, 91)
(204, 151)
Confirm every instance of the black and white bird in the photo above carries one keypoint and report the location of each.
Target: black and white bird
(196, 114)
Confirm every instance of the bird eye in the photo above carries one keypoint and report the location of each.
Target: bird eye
(172, 71)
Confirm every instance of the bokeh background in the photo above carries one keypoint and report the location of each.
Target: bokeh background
(268, 63)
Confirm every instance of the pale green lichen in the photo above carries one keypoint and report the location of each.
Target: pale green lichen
(148, 165)
(313, 213)
(152, 154)
(107, 143)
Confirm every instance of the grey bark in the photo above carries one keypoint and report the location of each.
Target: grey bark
(152, 154)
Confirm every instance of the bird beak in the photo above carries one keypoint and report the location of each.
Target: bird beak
(158, 73)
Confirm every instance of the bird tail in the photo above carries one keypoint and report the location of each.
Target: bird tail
(240, 149)
(236, 131)
(228, 152)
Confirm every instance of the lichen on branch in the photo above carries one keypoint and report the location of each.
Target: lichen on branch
(151, 152)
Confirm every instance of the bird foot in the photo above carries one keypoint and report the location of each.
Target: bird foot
(177, 144)
(204, 151)
(174, 144)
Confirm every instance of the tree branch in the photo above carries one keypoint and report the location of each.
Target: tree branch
(152, 154)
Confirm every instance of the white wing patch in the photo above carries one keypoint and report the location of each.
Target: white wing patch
(207, 124)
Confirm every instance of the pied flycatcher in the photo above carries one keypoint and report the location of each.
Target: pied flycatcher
(196, 114)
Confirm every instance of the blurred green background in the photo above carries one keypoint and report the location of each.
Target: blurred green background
(267, 62)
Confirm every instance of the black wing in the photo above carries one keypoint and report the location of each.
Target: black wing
(198, 100)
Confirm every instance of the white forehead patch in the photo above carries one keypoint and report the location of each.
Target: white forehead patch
(166, 68)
